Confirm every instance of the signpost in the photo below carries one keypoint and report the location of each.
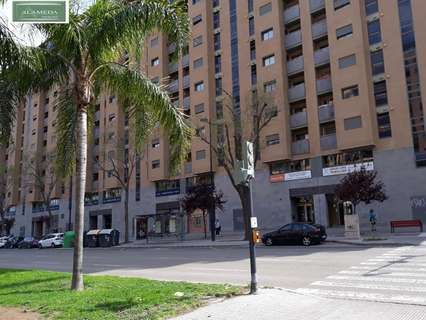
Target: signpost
(244, 175)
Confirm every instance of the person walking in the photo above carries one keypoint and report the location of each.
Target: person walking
(217, 227)
(373, 219)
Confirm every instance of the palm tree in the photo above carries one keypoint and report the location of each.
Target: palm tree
(82, 57)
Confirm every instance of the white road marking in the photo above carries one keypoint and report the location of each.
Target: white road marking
(383, 273)
(391, 268)
(378, 279)
(368, 286)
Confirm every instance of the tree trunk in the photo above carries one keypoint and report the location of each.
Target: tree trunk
(49, 219)
(81, 164)
(244, 193)
(205, 225)
(126, 215)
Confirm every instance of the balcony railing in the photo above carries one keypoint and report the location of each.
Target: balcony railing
(172, 48)
(293, 39)
(300, 146)
(295, 65)
(173, 67)
(173, 86)
(186, 82)
(328, 142)
(292, 13)
(319, 29)
(296, 93)
(316, 5)
(185, 61)
(326, 112)
(322, 56)
(299, 119)
(324, 85)
(186, 103)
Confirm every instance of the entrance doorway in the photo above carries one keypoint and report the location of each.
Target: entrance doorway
(336, 216)
(141, 228)
(303, 209)
(93, 222)
(107, 218)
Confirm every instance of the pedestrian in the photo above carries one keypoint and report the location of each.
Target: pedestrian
(217, 227)
(373, 219)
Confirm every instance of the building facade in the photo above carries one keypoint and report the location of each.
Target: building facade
(348, 78)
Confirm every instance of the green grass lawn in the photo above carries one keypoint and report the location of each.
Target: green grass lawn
(104, 297)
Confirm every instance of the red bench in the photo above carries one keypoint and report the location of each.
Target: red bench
(406, 224)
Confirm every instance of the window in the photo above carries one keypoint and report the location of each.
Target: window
(198, 63)
(268, 34)
(196, 20)
(344, 32)
(338, 4)
(155, 62)
(155, 164)
(384, 125)
(353, 123)
(199, 108)
(218, 83)
(253, 50)
(374, 32)
(111, 117)
(253, 75)
(371, 7)
(377, 62)
(347, 61)
(154, 42)
(350, 92)
(270, 86)
(200, 155)
(216, 20)
(155, 143)
(218, 64)
(265, 9)
(272, 139)
(195, 1)
(269, 60)
(217, 43)
(380, 93)
(216, 3)
(197, 41)
(251, 26)
(250, 5)
(167, 187)
(199, 86)
(200, 132)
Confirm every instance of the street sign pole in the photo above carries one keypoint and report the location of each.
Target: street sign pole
(252, 248)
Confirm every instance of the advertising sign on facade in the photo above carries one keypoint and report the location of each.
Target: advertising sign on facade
(333, 171)
(298, 175)
(35, 11)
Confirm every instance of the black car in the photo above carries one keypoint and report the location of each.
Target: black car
(295, 233)
(27, 243)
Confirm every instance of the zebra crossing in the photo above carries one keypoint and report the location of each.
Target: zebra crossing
(397, 276)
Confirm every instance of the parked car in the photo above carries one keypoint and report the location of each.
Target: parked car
(27, 243)
(323, 231)
(51, 240)
(8, 241)
(3, 241)
(294, 233)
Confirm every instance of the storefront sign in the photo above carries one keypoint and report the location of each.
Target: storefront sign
(333, 171)
(35, 11)
(298, 175)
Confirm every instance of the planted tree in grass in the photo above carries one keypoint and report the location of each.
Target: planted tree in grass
(85, 58)
(203, 197)
(361, 187)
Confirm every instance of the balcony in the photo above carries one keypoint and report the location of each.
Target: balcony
(316, 5)
(173, 86)
(188, 167)
(186, 103)
(291, 13)
(328, 142)
(299, 119)
(296, 93)
(185, 61)
(319, 29)
(173, 67)
(326, 112)
(295, 65)
(322, 56)
(97, 115)
(172, 48)
(186, 82)
(300, 147)
(324, 85)
(176, 103)
(293, 39)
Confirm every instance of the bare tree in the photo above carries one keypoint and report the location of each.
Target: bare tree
(231, 128)
(40, 174)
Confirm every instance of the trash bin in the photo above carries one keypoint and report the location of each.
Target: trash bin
(92, 237)
(109, 237)
(69, 238)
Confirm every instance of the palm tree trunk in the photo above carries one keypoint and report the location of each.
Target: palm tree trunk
(126, 215)
(77, 269)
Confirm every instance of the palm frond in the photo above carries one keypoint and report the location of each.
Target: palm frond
(149, 99)
(9, 100)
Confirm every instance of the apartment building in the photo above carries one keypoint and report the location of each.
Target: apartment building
(348, 78)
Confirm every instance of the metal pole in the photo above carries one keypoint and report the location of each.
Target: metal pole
(213, 209)
(253, 283)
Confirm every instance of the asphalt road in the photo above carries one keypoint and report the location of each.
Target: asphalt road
(289, 267)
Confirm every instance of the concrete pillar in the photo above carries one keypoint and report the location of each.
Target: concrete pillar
(100, 221)
(321, 209)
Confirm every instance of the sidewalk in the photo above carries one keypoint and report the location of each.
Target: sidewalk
(390, 239)
(289, 305)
